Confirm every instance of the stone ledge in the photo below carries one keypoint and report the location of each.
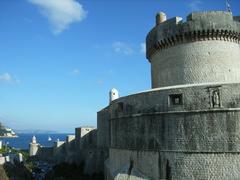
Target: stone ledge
(176, 151)
(178, 112)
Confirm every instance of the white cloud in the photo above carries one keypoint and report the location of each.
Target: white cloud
(195, 5)
(143, 48)
(60, 13)
(7, 78)
(122, 48)
(75, 72)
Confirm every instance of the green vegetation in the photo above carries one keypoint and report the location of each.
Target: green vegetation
(24, 170)
(7, 149)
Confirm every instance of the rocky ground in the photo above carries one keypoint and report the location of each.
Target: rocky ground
(3, 174)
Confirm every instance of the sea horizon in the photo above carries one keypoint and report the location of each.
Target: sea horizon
(23, 139)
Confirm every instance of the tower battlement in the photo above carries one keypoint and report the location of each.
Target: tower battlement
(204, 49)
(215, 25)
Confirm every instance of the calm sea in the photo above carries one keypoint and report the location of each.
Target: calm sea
(23, 140)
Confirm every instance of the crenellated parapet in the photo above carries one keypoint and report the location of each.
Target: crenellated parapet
(213, 25)
(204, 49)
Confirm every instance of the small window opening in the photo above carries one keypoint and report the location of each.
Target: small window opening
(175, 99)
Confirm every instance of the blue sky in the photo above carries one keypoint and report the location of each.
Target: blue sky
(59, 58)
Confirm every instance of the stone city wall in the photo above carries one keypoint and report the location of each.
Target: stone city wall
(203, 124)
(80, 149)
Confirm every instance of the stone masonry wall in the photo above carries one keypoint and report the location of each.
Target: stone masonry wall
(174, 165)
(197, 62)
(179, 141)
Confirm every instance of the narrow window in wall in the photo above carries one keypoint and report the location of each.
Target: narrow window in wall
(175, 99)
(120, 106)
(168, 171)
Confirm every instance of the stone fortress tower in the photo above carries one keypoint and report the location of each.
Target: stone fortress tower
(205, 49)
(188, 126)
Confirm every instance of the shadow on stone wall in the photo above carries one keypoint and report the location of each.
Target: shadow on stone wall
(71, 172)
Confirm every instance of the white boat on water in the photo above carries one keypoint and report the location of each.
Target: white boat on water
(49, 138)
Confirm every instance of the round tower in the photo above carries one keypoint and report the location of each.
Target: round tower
(113, 94)
(33, 147)
(182, 131)
(204, 49)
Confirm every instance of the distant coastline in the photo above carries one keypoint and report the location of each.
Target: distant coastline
(15, 136)
(6, 132)
(38, 131)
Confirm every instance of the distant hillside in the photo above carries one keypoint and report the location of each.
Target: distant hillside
(6, 132)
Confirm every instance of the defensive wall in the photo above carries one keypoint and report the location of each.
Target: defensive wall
(187, 127)
(80, 149)
(162, 139)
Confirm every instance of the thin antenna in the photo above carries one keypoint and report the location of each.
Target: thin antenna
(228, 7)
